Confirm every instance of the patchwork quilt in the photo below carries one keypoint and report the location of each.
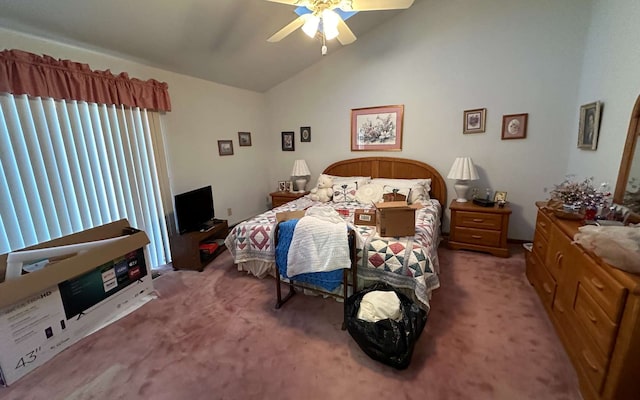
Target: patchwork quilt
(408, 262)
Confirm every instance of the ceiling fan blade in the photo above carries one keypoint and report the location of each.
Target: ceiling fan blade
(297, 3)
(372, 5)
(292, 26)
(345, 35)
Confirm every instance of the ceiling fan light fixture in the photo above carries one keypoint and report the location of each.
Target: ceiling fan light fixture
(310, 27)
(330, 20)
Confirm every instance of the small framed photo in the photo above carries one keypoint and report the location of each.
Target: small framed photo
(288, 142)
(305, 134)
(225, 147)
(282, 186)
(474, 120)
(288, 186)
(589, 125)
(244, 138)
(377, 128)
(514, 126)
(500, 197)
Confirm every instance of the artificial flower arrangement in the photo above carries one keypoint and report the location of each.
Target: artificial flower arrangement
(580, 197)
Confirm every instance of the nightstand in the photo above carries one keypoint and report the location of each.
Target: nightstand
(281, 197)
(479, 228)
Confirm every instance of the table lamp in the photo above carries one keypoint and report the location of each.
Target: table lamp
(463, 171)
(299, 174)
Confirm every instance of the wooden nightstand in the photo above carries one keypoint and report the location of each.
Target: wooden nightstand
(479, 228)
(281, 197)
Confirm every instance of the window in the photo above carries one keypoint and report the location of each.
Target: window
(66, 166)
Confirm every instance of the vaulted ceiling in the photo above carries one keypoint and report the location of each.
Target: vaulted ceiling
(223, 41)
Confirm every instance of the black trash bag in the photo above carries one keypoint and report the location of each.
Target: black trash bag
(388, 341)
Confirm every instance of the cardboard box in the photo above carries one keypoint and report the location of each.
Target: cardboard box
(395, 218)
(287, 215)
(45, 311)
(364, 217)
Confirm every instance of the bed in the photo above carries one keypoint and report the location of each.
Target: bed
(409, 264)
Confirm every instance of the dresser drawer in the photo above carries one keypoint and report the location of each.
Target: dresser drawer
(543, 224)
(596, 323)
(559, 253)
(478, 237)
(541, 280)
(478, 220)
(607, 292)
(540, 245)
(592, 366)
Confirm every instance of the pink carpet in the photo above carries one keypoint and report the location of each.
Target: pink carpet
(215, 335)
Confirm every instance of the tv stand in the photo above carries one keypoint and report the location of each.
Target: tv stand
(185, 248)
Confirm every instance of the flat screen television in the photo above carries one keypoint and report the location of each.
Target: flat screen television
(194, 209)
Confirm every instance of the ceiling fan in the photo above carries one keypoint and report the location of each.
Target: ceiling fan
(321, 17)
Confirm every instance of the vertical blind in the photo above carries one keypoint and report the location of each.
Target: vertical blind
(66, 166)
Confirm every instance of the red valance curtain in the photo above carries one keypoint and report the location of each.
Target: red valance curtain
(44, 76)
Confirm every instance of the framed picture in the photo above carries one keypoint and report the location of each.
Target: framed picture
(305, 134)
(288, 185)
(589, 125)
(377, 128)
(500, 196)
(474, 120)
(282, 186)
(287, 141)
(225, 147)
(244, 138)
(514, 126)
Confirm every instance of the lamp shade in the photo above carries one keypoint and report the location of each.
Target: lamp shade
(300, 168)
(463, 170)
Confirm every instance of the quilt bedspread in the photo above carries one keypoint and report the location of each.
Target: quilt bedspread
(407, 262)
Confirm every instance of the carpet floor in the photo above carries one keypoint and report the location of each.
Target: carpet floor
(216, 335)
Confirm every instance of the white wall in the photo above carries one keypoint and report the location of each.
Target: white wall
(439, 59)
(202, 113)
(610, 74)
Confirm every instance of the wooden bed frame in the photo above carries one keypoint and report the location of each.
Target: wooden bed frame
(392, 167)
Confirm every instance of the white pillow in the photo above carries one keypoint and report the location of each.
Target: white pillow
(369, 193)
(360, 180)
(345, 191)
(419, 187)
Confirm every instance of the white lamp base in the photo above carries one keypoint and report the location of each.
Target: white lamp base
(461, 188)
(300, 184)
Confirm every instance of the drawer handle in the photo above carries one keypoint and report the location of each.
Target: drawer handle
(546, 288)
(597, 284)
(588, 360)
(559, 307)
(476, 236)
(543, 224)
(592, 317)
(478, 220)
(559, 259)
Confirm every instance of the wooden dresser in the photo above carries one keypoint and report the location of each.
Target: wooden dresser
(281, 197)
(479, 228)
(594, 307)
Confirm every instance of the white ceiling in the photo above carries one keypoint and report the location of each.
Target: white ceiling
(223, 41)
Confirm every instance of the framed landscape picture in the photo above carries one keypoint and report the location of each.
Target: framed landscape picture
(377, 128)
(474, 120)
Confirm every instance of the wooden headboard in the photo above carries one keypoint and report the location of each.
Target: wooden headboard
(391, 167)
